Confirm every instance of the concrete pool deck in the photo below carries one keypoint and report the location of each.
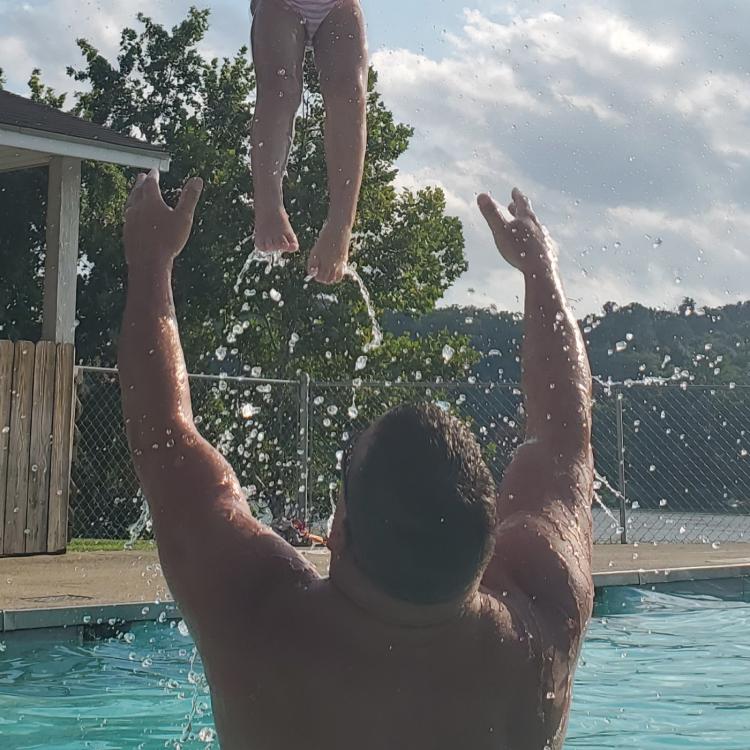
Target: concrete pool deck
(81, 588)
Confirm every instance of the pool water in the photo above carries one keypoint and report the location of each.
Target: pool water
(657, 671)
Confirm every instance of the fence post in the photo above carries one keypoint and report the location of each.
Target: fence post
(621, 469)
(303, 451)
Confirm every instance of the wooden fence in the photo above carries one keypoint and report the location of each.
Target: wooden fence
(36, 432)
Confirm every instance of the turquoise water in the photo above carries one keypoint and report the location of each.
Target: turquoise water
(663, 672)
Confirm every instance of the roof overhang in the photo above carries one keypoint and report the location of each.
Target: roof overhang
(22, 148)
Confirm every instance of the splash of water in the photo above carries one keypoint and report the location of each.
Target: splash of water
(271, 260)
(605, 482)
(142, 523)
(190, 718)
(377, 333)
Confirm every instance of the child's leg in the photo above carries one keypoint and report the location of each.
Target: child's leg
(342, 61)
(278, 40)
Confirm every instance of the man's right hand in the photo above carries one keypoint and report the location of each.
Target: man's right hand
(522, 241)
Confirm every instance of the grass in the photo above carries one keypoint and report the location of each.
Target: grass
(107, 545)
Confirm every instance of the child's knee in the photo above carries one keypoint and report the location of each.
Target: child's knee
(344, 87)
(285, 88)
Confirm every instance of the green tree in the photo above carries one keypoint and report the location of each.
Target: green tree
(409, 252)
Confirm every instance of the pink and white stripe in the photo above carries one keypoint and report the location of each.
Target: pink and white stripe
(313, 12)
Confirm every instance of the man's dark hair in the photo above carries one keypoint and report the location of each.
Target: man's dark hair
(420, 505)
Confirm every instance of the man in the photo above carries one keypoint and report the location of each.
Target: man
(452, 617)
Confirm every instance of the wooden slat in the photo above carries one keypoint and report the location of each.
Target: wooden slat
(16, 499)
(62, 450)
(41, 446)
(6, 386)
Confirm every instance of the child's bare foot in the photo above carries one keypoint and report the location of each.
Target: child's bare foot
(274, 232)
(330, 255)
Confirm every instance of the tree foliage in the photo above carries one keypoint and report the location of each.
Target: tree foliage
(160, 88)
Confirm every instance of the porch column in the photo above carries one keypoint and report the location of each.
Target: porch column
(61, 263)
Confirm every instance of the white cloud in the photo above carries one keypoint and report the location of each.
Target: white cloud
(621, 119)
(608, 124)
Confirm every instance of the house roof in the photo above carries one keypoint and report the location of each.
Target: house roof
(28, 126)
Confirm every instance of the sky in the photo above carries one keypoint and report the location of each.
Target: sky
(627, 122)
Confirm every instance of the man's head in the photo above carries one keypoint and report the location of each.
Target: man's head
(420, 505)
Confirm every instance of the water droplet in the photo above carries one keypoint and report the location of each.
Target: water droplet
(248, 411)
(206, 734)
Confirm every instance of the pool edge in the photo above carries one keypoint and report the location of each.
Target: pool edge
(16, 620)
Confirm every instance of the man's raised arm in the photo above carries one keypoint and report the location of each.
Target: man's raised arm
(209, 543)
(555, 367)
(544, 505)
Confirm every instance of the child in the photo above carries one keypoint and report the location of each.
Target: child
(282, 30)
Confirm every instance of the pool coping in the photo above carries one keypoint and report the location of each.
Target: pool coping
(81, 616)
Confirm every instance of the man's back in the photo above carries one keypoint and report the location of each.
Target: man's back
(316, 670)
(369, 658)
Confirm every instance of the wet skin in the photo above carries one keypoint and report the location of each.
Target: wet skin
(340, 45)
(293, 658)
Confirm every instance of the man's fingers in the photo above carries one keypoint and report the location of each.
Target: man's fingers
(491, 212)
(135, 193)
(523, 206)
(189, 197)
(150, 185)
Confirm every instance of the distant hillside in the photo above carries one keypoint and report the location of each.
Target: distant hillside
(707, 345)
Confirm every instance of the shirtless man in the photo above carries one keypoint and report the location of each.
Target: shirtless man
(453, 615)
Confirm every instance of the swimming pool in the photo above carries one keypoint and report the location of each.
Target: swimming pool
(657, 671)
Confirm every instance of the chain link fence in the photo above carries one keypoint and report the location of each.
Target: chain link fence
(243, 417)
(672, 461)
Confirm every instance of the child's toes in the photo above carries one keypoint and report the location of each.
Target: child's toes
(281, 244)
(292, 242)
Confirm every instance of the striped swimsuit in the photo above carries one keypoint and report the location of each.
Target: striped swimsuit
(312, 13)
